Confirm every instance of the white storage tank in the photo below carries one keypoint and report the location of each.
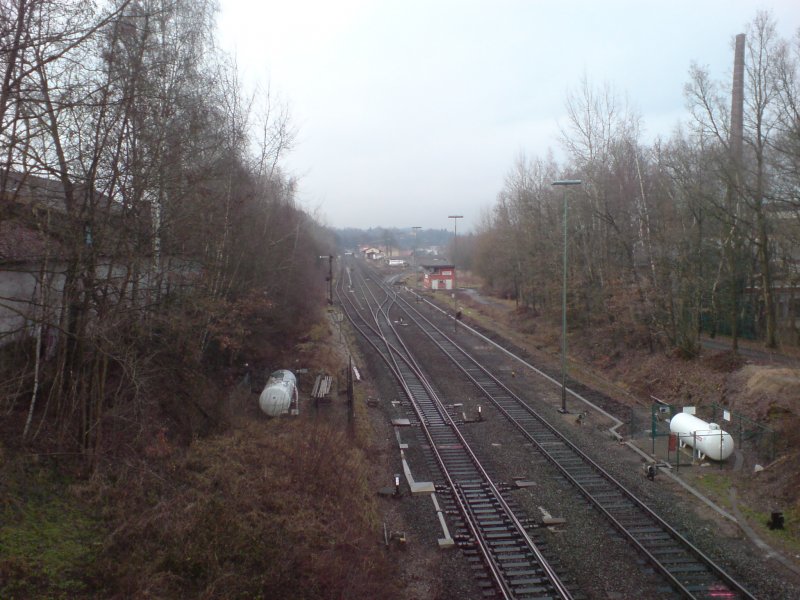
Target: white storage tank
(279, 394)
(712, 442)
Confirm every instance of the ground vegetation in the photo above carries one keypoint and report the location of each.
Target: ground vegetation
(159, 268)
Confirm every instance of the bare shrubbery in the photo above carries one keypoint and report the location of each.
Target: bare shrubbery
(275, 509)
(171, 263)
(196, 494)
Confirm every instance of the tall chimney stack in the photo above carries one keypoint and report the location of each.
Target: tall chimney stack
(737, 101)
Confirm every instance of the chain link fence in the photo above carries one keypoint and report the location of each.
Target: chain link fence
(755, 441)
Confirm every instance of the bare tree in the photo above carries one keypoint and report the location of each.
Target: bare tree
(761, 120)
(168, 230)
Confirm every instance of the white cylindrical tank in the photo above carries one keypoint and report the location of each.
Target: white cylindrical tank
(278, 394)
(711, 441)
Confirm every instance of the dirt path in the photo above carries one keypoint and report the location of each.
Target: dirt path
(751, 351)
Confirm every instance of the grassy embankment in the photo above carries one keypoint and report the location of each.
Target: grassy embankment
(277, 508)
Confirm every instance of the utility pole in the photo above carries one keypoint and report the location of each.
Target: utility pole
(329, 278)
(563, 409)
(414, 261)
(455, 239)
(414, 258)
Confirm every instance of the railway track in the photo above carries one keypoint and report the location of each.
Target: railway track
(686, 569)
(490, 527)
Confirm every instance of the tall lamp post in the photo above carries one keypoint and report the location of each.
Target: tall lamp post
(455, 239)
(415, 229)
(563, 409)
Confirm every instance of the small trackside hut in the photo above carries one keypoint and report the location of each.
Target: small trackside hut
(439, 277)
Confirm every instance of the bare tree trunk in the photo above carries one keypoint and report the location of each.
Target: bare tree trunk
(766, 283)
(43, 283)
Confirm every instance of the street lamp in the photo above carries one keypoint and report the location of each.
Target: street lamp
(564, 182)
(415, 229)
(455, 238)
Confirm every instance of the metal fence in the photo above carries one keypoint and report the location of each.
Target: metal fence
(756, 441)
(750, 436)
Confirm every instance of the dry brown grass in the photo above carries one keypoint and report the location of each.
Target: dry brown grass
(273, 509)
(249, 507)
(194, 493)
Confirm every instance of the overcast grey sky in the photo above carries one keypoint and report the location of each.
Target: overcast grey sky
(408, 111)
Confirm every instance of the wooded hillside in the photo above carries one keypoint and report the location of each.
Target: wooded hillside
(157, 241)
(697, 232)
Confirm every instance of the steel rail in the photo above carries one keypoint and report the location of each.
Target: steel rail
(559, 462)
(395, 368)
(465, 497)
